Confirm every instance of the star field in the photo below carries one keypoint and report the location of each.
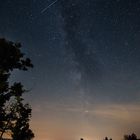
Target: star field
(87, 65)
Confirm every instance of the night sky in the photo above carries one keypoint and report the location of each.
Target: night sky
(86, 55)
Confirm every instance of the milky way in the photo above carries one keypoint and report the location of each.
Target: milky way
(85, 59)
(87, 63)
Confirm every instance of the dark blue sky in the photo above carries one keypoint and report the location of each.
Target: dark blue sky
(85, 52)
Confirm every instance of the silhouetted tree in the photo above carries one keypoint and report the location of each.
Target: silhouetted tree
(14, 114)
(22, 114)
(130, 137)
(106, 138)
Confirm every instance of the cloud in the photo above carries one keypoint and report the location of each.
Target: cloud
(121, 112)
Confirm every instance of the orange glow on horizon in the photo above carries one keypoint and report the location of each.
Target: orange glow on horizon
(103, 120)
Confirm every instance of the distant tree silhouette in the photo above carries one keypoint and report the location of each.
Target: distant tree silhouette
(130, 137)
(14, 113)
(106, 138)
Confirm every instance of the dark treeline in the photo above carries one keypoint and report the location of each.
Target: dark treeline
(15, 114)
(132, 136)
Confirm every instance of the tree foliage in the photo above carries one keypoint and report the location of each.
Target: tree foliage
(130, 137)
(14, 113)
(106, 138)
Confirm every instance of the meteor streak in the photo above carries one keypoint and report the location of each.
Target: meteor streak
(46, 8)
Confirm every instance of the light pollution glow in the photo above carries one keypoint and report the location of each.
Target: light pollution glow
(58, 122)
(86, 56)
